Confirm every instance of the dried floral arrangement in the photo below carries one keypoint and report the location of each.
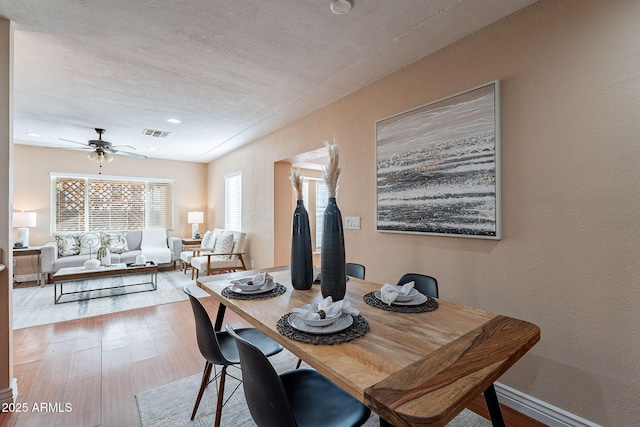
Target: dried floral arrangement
(296, 181)
(331, 172)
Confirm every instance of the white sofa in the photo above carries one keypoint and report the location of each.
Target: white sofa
(220, 251)
(52, 261)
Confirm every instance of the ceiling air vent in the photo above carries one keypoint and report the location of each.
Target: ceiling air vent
(156, 133)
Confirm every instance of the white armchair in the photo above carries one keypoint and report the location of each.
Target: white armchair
(226, 256)
(207, 245)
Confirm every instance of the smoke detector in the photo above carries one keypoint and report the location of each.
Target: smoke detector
(340, 7)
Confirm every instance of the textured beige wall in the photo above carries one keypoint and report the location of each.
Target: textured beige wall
(32, 191)
(568, 261)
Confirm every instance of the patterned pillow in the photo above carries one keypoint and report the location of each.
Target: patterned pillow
(208, 240)
(68, 244)
(89, 243)
(115, 241)
(224, 243)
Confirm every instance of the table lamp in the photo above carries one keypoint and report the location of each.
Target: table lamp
(24, 220)
(194, 219)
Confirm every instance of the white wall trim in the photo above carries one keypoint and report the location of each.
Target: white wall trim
(9, 395)
(539, 410)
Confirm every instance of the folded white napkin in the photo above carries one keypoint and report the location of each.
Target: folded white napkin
(330, 308)
(258, 280)
(389, 293)
(316, 272)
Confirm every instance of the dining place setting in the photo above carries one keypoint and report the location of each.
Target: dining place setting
(325, 322)
(401, 298)
(258, 286)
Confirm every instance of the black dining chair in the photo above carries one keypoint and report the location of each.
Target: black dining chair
(219, 348)
(423, 284)
(355, 270)
(301, 397)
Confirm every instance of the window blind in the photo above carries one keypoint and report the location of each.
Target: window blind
(322, 198)
(233, 202)
(83, 203)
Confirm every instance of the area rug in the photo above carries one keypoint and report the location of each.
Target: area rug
(33, 306)
(171, 405)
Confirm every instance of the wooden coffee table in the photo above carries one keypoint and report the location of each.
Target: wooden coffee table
(74, 274)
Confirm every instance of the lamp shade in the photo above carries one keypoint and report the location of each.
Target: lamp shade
(24, 219)
(195, 218)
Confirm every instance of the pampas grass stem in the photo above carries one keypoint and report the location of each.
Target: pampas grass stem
(296, 181)
(331, 172)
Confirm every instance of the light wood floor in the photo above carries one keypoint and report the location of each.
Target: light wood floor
(98, 365)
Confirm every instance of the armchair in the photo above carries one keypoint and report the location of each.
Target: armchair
(226, 256)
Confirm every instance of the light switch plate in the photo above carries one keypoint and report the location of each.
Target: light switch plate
(352, 222)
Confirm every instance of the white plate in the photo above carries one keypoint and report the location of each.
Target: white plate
(242, 284)
(417, 300)
(340, 324)
(265, 288)
(318, 322)
(404, 298)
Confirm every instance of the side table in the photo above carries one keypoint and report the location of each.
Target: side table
(187, 244)
(191, 242)
(30, 251)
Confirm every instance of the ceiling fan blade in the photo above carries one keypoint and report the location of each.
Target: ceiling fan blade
(128, 146)
(126, 153)
(75, 142)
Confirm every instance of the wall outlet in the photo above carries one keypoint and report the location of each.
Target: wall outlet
(352, 222)
(252, 264)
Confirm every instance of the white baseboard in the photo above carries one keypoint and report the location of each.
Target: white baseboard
(9, 395)
(539, 410)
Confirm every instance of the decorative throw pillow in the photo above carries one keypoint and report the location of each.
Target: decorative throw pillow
(116, 241)
(68, 244)
(224, 243)
(89, 243)
(208, 240)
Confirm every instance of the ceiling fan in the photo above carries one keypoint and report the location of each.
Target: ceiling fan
(102, 150)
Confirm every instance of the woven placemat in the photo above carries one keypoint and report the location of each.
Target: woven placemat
(359, 327)
(429, 305)
(278, 290)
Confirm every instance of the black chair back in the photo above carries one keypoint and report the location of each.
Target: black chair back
(205, 334)
(424, 284)
(355, 270)
(263, 388)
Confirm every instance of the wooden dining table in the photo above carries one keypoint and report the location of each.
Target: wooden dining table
(412, 369)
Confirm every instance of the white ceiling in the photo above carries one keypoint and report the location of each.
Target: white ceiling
(231, 70)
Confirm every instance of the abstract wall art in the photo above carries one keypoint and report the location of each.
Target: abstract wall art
(438, 167)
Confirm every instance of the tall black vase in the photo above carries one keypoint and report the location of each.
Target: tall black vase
(333, 277)
(301, 259)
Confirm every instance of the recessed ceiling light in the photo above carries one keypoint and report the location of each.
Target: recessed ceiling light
(33, 134)
(340, 7)
(151, 148)
(176, 121)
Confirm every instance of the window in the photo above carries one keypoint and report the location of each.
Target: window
(322, 198)
(315, 197)
(233, 202)
(90, 202)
